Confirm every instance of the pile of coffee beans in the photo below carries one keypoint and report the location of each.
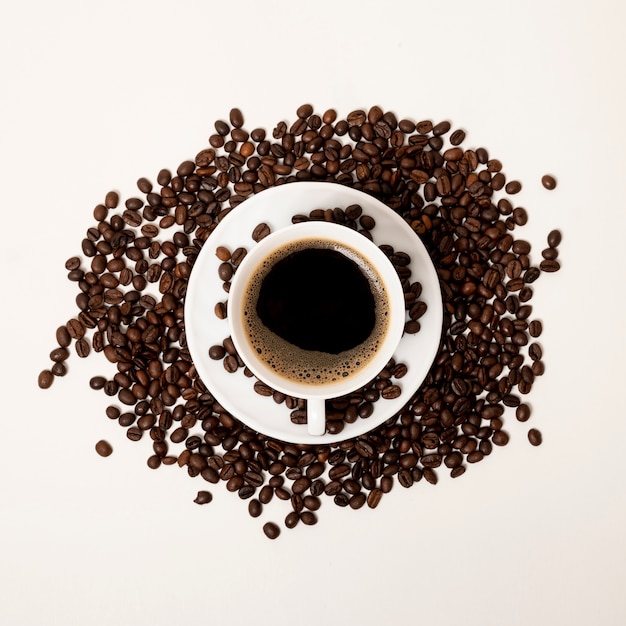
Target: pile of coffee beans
(136, 261)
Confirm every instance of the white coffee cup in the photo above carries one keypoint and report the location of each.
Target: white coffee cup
(368, 257)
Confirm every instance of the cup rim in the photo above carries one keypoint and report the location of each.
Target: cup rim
(352, 238)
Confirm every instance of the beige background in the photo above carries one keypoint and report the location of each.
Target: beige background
(95, 95)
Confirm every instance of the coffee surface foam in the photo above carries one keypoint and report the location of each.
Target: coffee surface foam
(310, 366)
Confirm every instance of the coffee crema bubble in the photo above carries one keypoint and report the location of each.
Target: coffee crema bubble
(316, 311)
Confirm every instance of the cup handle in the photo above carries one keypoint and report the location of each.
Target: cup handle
(316, 416)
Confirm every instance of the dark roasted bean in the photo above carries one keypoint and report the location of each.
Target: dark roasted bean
(103, 448)
(554, 238)
(549, 265)
(203, 497)
(271, 530)
(261, 231)
(45, 380)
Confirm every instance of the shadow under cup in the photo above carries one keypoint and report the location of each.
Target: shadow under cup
(261, 332)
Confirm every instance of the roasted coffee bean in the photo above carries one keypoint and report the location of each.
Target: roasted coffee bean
(457, 137)
(111, 200)
(418, 310)
(225, 271)
(548, 181)
(236, 118)
(550, 253)
(75, 329)
(203, 497)
(246, 491)
(513, 187)
(271, 530)
(551, 265)
(412, 327)
(535, 352)
(500, 438)
(266, 493)
(260, 231)
(217, 352)
(63, 337)
(391, 392)
(45, 380)
(304, 111)
(97, 382)
(237, 256)
(431, 476)
(255, 508)
(154, 462)
(291, 519)
(222, 253)
(220, 310)
(308, 517)
(457, 471)
(59, 354)
(441, 128)
(554, 238)
(312, 503)
(82, 348)
(534, 436)
(59, 369)
(103, 448)
(134, 433)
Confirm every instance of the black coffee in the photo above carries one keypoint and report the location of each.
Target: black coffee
(317, 299)
(316, 311)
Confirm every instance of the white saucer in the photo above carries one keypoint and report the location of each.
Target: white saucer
(276, 206)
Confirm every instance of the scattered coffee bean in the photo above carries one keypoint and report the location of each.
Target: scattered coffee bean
(291, 520)
(308, 518)
(271, 530)
(391, 392)
(522, 412)
(513, 187)
(203, 497)
(238, 256)
(554, 238)
(97, 382)
(217, 352)
(260, 231)
(45, 380)
(111, 200)
(63, 337)
(549, 265)
(59, 369)
(154, 461)
(548, 181)
(549, 253)
(225, 271)
(236, 118)
(103, 448)
(534, 436)
(255, 508)
(222, 253)
(230, 363)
